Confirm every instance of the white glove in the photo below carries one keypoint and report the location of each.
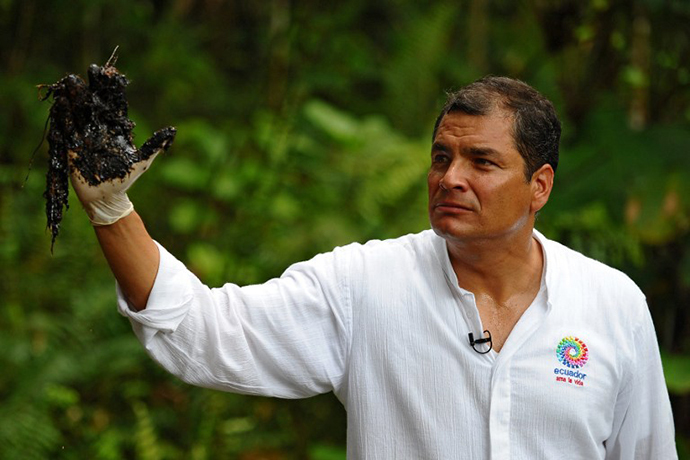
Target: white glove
(106, 202)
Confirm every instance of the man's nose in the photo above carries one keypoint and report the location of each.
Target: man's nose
(455, 177)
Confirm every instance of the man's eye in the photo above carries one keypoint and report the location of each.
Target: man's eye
(483, 162)
(439, 158)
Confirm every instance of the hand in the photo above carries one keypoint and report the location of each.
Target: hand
(101, 181)
(90, 138)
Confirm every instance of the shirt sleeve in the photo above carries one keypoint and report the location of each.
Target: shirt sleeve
(286, 338)
(643, 422)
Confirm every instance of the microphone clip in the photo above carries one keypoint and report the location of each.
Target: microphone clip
(474, 343)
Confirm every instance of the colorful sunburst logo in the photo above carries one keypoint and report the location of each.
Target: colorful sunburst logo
(572, 352)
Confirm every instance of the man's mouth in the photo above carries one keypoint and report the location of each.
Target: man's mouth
(450, 206)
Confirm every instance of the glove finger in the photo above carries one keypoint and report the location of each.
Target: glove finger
(159, 142)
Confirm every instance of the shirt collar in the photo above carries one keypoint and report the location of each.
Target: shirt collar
(440, 251)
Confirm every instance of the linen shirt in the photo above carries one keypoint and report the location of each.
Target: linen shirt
(385, 326)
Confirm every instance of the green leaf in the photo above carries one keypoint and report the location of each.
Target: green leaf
(324, 452)
(677, 373)
(185, 217)
(206, 261)
(60, 395)
(185, 173)
(337, 124)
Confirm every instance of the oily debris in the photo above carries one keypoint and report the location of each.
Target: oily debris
(90, 120)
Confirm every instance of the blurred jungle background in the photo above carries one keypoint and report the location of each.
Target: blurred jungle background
(303, 125)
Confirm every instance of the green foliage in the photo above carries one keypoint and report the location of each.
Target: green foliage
(677, 373)
(302, 126)
(321, 452)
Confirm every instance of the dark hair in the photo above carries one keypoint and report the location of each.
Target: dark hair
(536, 128)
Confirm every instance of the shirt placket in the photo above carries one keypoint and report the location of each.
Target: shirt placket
(499, 413)
(502, 381)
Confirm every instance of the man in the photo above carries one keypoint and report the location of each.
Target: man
(479, 339)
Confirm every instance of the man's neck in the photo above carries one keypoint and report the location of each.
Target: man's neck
(501, 270)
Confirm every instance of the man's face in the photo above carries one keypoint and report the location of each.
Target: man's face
(477, 186)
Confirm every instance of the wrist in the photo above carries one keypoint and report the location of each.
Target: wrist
(108, 210)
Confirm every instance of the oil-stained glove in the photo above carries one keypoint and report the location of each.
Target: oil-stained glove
(101, 179)
(91, 134)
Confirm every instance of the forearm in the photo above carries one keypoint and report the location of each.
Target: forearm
(132, 255)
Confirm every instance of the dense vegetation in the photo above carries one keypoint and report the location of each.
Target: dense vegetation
(302, 126)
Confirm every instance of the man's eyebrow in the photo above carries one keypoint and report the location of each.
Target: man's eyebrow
(482, 151)
(439, 147)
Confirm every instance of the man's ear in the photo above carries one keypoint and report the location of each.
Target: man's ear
(541, 184)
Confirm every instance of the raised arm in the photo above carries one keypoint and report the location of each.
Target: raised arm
(91, 132)
(131, 253)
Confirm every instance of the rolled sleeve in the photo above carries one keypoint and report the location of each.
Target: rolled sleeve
(169, 301)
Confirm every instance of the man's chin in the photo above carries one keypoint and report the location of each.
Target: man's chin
(453, 232)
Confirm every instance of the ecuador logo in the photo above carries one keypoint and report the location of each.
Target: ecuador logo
(572, 352)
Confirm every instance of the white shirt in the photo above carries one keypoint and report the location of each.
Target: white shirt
(385, 327)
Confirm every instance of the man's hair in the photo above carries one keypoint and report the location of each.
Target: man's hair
(536, 128)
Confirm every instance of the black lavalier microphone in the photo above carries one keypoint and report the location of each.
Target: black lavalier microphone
(473, 342)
